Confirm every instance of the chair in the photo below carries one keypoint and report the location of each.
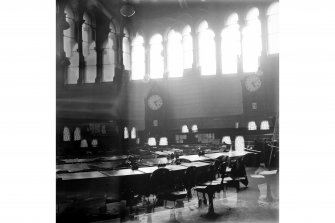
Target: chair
(238, 173)
(210, 187)
(162, 189)
(190, 179)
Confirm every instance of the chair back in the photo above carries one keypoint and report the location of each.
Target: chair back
(190, 177)
(222, 170)
(160, 181)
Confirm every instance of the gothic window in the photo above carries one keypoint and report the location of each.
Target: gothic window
(89, 52)
(187, 42)
(207, 49)
(156, 57)
(230, 45)
(109, 56)
(71, 48)
(174, 54)
(251, 41)
(137, 58)
(126, 50)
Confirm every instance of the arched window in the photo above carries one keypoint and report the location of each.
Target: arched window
(89, 53)
(163, 141)
(133, 133)
(207, 54)
(251, 42)
(226, 140)
(239, 143)
(71, 48)
(252, 125)
(156, 57)
(273, 28)
(230, 45)
(126, 50)
(137, 58)
(77, 134)
(66, 134)
(187, 48)
(184, 129)
(152, 141)
(109, 56)
(265, 125)
(125, 133)
(194, 128)
(174, 54)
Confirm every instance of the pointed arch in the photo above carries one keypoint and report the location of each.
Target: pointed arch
(230, 45)
(206, 49)
(137, 58)
(133, 133)
(109, 56)
(251, 41)
(187, 47)
(77, 134)
(156, 57)
(66, 134)
(71, 47)
(239, 143)
(88, 44)
(126, 49)
(174, 54)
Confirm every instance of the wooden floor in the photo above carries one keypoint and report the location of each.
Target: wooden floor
(231, 206)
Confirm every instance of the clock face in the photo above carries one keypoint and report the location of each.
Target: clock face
(253, 83)
(155, 102)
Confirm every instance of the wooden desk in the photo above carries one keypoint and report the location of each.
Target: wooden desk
(196, 164)
(175, 167)
(149, 169)
(114, 158)
(121, 172)
(193, 158)
(154, 161)
(72, 167)
(214, 156)
(80, 175)
(77, 160)
(106, 165)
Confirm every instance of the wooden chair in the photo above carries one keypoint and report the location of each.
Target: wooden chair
(162, 189)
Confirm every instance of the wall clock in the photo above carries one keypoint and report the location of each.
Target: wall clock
(155, 102)
(253, 83)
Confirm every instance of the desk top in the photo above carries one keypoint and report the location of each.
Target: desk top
(81, 175)
(113, 158)
(154, 161)
(196, 164)
(106, 165)
(72, 167)
(121, 172)
(214, 155)
(77, 160)
(149, 169)
(193, 158)
(175, 167)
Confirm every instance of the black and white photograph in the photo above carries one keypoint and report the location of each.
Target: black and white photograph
(172, 111)
(167, 111)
